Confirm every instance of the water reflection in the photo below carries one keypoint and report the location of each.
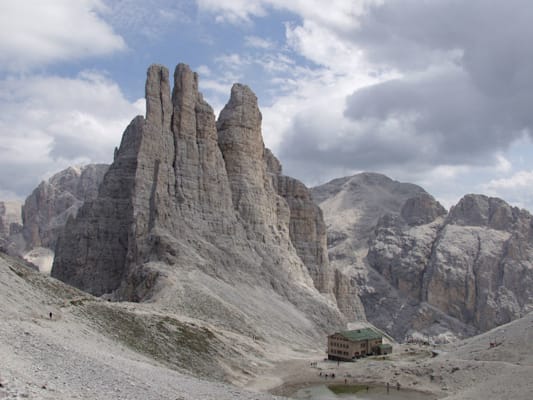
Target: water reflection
(322, 392)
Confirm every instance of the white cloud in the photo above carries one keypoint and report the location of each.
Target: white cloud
(203, 70)
(258, 42)
(519, 180)
(341, 15)
(35, 32)
(517, 189)
(234, 11)
(323, 46)
(49, 123)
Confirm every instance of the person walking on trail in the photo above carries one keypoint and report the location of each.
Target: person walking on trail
(50, 314)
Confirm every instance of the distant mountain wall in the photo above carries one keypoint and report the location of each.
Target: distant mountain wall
(11, 240)
(421, 270)
(47, 208)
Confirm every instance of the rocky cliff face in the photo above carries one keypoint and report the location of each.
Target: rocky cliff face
(307, 229)
(47, 209)
(188, 217)
(420, 269)
(11, 240)
(352, 207)
(473, 265)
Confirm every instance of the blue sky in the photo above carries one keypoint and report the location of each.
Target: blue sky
(437, 93)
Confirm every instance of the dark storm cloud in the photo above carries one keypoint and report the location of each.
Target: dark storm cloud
(449, 110)
(466, 90)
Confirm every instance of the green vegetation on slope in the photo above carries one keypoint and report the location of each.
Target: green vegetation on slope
(176, 344)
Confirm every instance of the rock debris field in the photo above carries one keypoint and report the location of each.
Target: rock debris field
(66, 358)
(69, 357)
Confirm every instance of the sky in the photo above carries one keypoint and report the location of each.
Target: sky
(433, 92)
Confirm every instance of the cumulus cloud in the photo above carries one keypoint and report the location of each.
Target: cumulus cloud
(452, 92)
(437, 92)
(341, 15)
(517, 188)
(51, 122)
(477, 102)
(234, 11)
(258, 42)
(35, 33)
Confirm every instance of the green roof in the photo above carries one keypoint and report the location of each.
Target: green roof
(385, 346)
(361, 334)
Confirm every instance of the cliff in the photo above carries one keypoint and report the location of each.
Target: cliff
(422, 270)
(187, 216)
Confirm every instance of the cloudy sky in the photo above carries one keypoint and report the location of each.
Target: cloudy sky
(438, 93)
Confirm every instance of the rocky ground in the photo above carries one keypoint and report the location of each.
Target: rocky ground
(93, 349)
(495, 365)
(470, 369)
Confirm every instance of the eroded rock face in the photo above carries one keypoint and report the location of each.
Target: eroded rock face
(352, 207)
(187, 216)
(241, 143)
(11, 240)
(307, 229)
(421, 209)
(474, 265)
(46, 210)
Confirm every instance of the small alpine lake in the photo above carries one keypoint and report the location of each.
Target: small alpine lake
(359, 392)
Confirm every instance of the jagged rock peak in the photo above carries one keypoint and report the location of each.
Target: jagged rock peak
(480, 210)
(242, 107)
(157, 93)
(421, 209)
(241, 142)
(159, 103)
(185, 80)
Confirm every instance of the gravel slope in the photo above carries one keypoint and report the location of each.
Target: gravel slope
(67, 357)
(82, 354)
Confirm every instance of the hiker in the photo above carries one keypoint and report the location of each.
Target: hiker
(387, 387)
(332, 376)
(320, 374)
(367, 388)
(50, 314)
(398, 386)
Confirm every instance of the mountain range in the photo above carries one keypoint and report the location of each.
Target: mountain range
(196, 216)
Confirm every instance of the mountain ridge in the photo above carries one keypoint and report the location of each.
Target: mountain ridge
(398, 258)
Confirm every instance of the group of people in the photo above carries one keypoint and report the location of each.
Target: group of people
(398, 386)
(332, 375)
